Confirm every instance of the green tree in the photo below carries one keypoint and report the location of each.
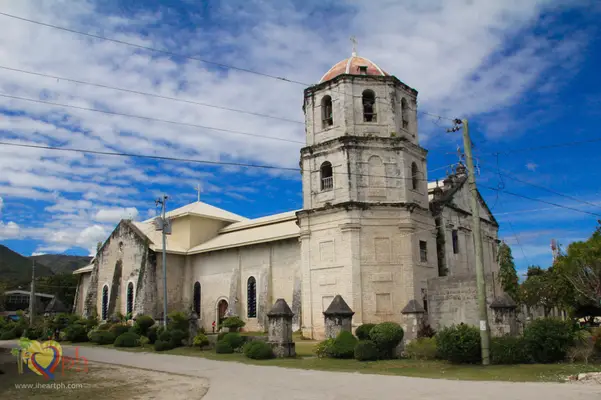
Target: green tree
(3, 288)
(63, 286)
(507, 272)
(580, 266)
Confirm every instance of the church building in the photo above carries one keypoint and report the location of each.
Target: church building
(371, 229)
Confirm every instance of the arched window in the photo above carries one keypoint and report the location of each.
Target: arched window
(369, 106)
(130, 298)
(405, 113)
(376, 172)
(414, 176)
(326, 175)
(197, 298)
(251, 295)
(326, 111)
(105, 302)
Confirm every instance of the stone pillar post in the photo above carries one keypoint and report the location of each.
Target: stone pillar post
(413, 317)
(280, 329)
(338, 317)
(192, 327)
(504, 318)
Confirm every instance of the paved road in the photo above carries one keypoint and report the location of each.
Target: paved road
(235, 381)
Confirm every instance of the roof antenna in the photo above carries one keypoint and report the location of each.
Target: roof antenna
(354, 41)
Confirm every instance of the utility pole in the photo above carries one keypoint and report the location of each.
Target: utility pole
(163, 226)
(32, 294)
(480, 281)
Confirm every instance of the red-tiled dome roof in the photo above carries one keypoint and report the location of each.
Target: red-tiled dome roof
(353, 65)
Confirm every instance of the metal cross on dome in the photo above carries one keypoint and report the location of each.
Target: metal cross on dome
(354, 41)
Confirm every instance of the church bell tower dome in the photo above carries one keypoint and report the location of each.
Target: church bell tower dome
(354, 65)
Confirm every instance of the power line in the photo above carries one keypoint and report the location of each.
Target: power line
(551, 146)
(539, 200)
(197, 161)
(167, 52)
(513, 177)
(148, 94)
(151, 119)
(519, 243)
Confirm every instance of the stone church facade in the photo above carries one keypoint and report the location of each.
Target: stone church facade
(371, 229)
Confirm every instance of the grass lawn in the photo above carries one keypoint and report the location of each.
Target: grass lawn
(415, 368)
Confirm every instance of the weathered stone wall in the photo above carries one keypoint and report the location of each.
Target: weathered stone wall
(82, 291)
(125, 248)
(454, 299)
(175, 283)
(224, 275)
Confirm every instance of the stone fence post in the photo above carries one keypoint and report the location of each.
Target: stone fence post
(413, 317)
(192, 327)
(504, 318)
(280, 329)
(338, 317)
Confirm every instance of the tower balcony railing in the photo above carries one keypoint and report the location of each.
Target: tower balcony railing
(327, 183)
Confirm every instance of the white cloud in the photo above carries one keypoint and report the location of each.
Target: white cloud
(480, 65)
(1, 204)
(116, 214)
(38, 253)
(10, 230)
(531, 166)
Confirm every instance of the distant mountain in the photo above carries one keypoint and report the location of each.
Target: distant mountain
(62, 263)
(15, 269)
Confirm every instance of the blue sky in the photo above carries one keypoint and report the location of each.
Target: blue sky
(526, 74)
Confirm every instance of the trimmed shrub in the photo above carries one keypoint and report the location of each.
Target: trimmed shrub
(386, 336)
(548, 339)
(178, 321)
(34, 333)
(76, 333)
(233, 323)
(343, 346)
(176, 337)
(421, 349)
(221, 335)
(127, 339)
(143, 341)
(165, 335)
(324, 348)
(258, 350)
(233, 339)
(143, 324)
(459, 344)
(362, 331)
(223, 347)
(102, 337)
(104, 327)
(509, 350)
(366, 350)
(200, 340)
(160, 345)
(583, 349)
(152, 334)
(119, 329)
(8, 335)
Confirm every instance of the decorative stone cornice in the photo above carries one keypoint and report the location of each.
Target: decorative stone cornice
(350, 227)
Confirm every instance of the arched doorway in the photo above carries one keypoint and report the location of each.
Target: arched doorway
(221, 310)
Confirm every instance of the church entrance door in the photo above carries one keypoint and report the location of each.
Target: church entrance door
(221, 310)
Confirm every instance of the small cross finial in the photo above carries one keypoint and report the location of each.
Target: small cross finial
(354, 41)
(198, 190)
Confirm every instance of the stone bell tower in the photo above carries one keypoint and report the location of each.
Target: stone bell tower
(365, 216)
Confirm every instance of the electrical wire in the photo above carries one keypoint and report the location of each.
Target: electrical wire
(197, 161)
(539, 200)
(152, 119)
(149, 94)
